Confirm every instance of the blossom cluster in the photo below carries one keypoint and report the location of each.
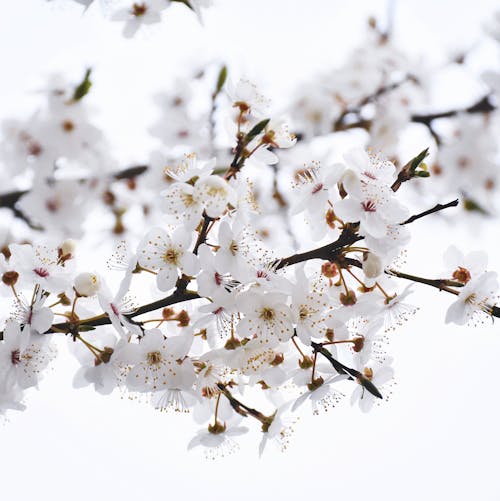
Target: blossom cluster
(382, 96)
(250, 276)
(229, 321)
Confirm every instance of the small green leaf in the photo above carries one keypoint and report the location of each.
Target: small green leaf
(221, 80)
(415, 162)
(422, 173)
(83, 88)
(256, 130)
(472, 206)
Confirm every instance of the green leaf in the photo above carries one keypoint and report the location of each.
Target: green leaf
(221, 80)
(256, 130)
(415, 162)
(83, 88)
(369, 386)
(472, 206)
(422, 173)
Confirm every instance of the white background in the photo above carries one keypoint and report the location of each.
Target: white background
(437, 438)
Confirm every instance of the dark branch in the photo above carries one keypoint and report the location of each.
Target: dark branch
(436, 208)
(178, 296)
(484, 105)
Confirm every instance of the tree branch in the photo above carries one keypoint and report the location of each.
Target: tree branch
(178, 296)
(484, 105)
(434, 209)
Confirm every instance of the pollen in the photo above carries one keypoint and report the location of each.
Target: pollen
(267, 314)
(154, 358)
(171, 256)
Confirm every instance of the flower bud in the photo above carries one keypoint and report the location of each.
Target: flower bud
(349, 298)
(87, 284)
(461, 275)
(372, 265)
(167, 313)
(183, 318)
(10, 278)
(358, 344)
(329, 269)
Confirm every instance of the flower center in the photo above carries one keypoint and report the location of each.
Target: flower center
(304, 312)
(218, 278)
(154, 358)
(461, 275)
(262, 274)
(67, 126)
(41, 272)
(369, 206)
(53, 204)
(216, 191)
(187, 199)
(267, 314)
(171, 256)
(139, 9)
(471, 299)
(114, 309)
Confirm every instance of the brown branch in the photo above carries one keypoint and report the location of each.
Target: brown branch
(241, 408)
(436, 208)
(441, 284)
(343, 369)
(328, 252)
(178, 296)
(484, 105)
(356, 110)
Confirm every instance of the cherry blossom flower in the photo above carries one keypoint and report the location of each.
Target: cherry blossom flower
(308, 306)
(477, 296)
(118, 306)
(35, 315)
(104, 371)
(137, 14)
(39, 265)
(220, 444)
(375, 207)
(24, 356)
(246, 96)
(168, 255)
(267, 317)
(315, 188)
(462, 268)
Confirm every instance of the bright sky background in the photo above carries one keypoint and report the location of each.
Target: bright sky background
(438, 436)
